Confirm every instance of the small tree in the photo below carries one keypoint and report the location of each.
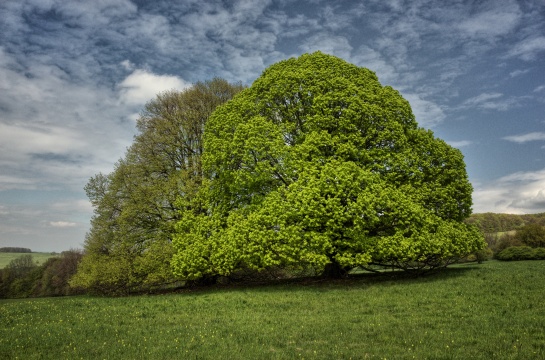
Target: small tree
(21, 265)
(532, 235)
(317, 163)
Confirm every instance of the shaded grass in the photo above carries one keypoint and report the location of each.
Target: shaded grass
(40, 258)
(489, 311)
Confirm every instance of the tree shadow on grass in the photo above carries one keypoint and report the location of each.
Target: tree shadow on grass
(353, 280)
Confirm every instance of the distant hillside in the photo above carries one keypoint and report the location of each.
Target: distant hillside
(7, 257)
(15, 250)
(491, 222)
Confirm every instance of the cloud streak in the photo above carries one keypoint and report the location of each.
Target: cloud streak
(523, 138)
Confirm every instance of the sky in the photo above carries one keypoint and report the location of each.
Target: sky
(74, 76)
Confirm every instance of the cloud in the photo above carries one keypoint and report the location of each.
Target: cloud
(518, 72)
(491, 101)
(539, 88)
(482, 98)
(62, 224)
(517, 193)
(459, 144)
(523, 138)
(427, 113)
(38, 138)
(529, 48)
(141, 86)
(374, 61)
(497, 21)
(327, 43)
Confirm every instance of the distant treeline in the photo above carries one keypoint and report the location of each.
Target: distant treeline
(22, 277)
(15, 250)
(492, 222)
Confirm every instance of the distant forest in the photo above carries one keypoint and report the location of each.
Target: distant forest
(15, 250)
(491, 222)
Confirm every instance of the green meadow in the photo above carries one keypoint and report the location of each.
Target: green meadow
(490, 311)
(6, 257)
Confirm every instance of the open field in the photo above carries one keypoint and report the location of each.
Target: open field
(489, 311)
(5, 258)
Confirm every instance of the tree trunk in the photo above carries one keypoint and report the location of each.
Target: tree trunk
(334, 271)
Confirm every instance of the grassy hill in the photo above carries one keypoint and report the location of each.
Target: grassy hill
(489, 311)
(6, 257)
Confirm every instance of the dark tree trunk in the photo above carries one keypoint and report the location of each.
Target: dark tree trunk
(334, 270)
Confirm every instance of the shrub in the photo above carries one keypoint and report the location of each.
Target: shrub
(521, 253)
(483, 255)
(532, 235)
(505, 242)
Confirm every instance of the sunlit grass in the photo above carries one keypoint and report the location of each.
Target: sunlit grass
(489, 311)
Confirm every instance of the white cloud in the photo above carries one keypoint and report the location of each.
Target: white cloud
(36, 139)
(374, 61)
(331, 44)
(533, 136)
(517, 193)
(539, 88)
(142, 86)
(491, 101)
(482, 98)
(529, 48)
(459, 144)
(427, 113)
(518, 72)
(497, 21)
(62, 224)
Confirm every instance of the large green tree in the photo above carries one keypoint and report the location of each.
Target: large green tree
(319, 164)
(129, 243)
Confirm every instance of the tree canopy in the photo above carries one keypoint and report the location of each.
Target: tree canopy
(319, 164)
(129, 243)
(532, 235)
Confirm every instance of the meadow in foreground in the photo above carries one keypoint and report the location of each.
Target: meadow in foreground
(489, 311)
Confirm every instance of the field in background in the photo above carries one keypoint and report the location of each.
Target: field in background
(5, 258)
(489, 311)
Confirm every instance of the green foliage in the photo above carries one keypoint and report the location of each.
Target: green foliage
(505, 242)
(24, 278)
(521, 253)
(492, 223)
(18, 276)
(129, 244)
(499, 223)
(483, 255)
(532, 235)
(318, 164)
(490, 311)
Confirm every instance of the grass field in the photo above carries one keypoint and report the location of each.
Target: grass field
(489, 311)
(5, 258)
